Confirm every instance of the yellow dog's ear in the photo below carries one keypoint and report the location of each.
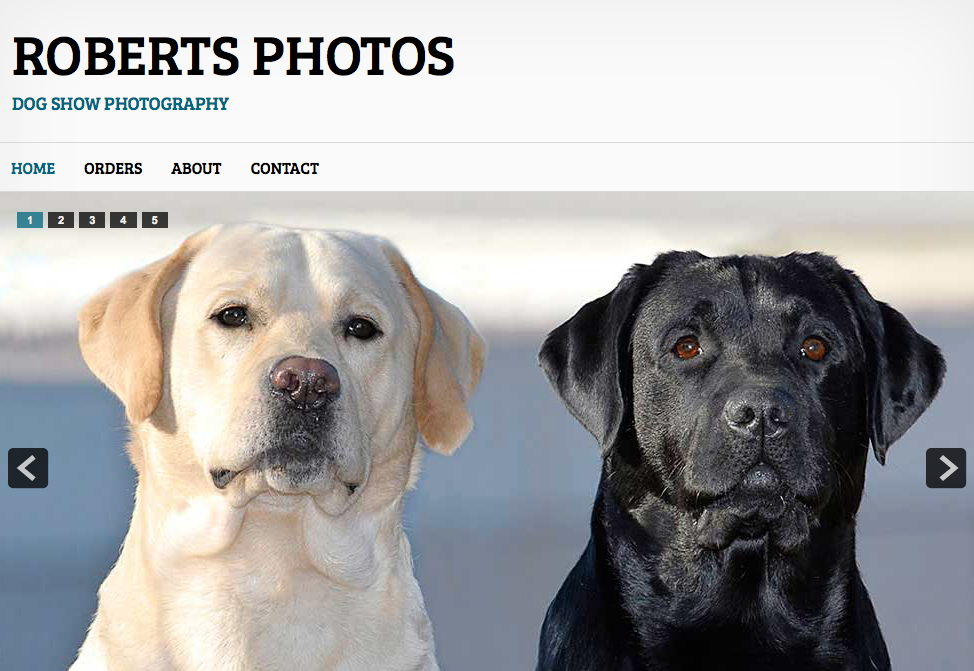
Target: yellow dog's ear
(120, 333)
(449, 361)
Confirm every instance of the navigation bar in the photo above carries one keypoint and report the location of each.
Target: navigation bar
(487, 166)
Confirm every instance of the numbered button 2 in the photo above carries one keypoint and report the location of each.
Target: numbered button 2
(60, 219)
(123, 220)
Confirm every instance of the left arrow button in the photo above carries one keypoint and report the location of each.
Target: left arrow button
(23, 467)
(27, 467)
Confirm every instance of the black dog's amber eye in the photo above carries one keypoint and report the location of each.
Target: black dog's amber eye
(687, 347)
(814, 349)
(232, 316)
(361, 328)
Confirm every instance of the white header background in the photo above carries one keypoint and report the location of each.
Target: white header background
(740, 87)
(701, 71)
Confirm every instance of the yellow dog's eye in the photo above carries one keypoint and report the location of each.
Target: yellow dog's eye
(814, 349)
(233, 316)
(687, 347)
(361, 328)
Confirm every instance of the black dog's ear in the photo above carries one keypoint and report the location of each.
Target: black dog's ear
(904, 369)
(588, 358)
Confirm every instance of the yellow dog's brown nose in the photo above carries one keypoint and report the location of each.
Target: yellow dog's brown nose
(307, 383)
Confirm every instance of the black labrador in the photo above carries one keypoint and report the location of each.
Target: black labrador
(734, 399)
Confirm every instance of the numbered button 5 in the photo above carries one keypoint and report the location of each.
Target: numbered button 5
(155, 220)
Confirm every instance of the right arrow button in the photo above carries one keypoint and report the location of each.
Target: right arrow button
(955, 459)
(951, 467)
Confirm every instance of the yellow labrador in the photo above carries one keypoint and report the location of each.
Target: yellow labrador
(276, 382)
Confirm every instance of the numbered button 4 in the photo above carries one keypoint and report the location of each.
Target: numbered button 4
(123, 220)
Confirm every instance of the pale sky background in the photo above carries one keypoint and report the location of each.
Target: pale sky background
(514, 262)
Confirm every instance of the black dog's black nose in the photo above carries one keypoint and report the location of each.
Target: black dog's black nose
(760, 411)
(307, 383)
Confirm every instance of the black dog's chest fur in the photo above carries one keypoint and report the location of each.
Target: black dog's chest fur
(629, 604)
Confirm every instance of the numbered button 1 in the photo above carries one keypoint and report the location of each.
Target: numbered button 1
(60, 219)
(91, 220)
(155, 220)
(123, 220)
(30, 220)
